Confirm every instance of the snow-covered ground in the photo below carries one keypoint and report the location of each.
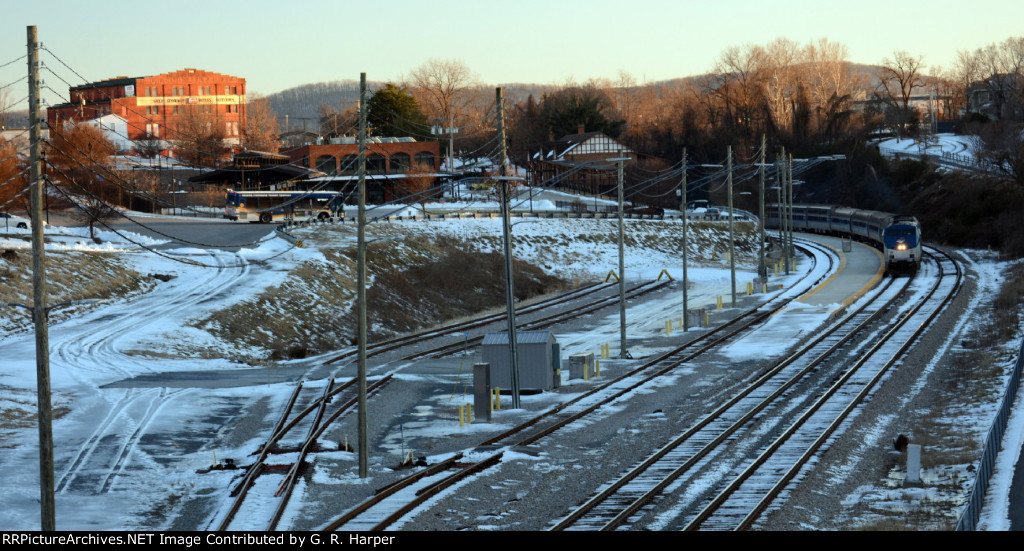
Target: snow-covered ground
(137, 431)
(943, 143)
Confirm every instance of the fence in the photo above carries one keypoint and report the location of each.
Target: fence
(972, 511)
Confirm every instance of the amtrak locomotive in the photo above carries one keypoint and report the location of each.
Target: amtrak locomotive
(899, 237)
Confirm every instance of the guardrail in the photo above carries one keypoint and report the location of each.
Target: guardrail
(947, 158)
(972, 511)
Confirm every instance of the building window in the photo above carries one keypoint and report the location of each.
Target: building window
(326, 164)
(228, 90)
(176, 110)
(425, 159)
(153, 110)
(205, 90)
(232, 128)
(206, 109)
(153, 130)
(399, 163)
(178, 91)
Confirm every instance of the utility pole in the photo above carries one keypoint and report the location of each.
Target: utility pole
(47, 511)
(762, 269)
(506, 231)
(792, 253)
(732, 235)
(364, 455)
(686, 221)
(622, 266)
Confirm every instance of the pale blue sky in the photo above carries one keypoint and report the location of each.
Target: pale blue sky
(279, 44)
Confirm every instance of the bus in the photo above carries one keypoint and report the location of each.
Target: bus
(277, 205)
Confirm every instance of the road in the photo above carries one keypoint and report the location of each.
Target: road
(184, 231)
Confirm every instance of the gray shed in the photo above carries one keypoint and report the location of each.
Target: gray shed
(538, 354)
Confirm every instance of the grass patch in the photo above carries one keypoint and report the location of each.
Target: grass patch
(413, 282)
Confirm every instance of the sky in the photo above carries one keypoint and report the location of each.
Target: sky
(279, 45)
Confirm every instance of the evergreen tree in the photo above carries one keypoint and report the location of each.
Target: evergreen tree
(392, 111)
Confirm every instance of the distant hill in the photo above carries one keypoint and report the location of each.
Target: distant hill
(301, 104)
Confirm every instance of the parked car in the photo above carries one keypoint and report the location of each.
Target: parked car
(712, 213)
(642, 209)
(8, 220)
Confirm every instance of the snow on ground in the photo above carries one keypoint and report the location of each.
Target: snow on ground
(135, 336)
(943, 143)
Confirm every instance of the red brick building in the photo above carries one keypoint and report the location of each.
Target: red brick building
(395, 167)
(383, 156)
(156, 106)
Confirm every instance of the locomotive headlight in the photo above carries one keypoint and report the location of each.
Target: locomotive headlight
(901, 246)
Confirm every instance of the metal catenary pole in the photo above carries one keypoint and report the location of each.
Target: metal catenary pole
(686, 222)
(364, 454)
(792, 253)
(732, 234)
(506, 229)
(622, 266)
(47, 503)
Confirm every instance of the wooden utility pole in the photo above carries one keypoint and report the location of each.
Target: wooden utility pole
(506, 234)
(47, 504)
(364, 454)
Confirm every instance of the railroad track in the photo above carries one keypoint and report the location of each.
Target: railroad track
(389, 345)
(397, 500)
(805, 378)
(311, 418)
(288, 424)
(539, 323)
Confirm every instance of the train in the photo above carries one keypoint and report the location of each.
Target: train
(898, 236)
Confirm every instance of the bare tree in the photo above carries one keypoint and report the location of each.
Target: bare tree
(447, 90)
(780, 80)
(149, 146)
(832, 83)
(897, 78)
(441, 87)
(260, 125)
(13, 180)
(335, 123)
(79, 159)
(200, 139)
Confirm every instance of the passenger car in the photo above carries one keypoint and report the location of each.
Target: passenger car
(8, 220)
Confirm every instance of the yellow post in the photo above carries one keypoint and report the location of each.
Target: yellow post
(586, 372)
(462, 420)
(469, 412)
(764, 288)
(719, 302)
(750, 288)
(668, 328)
(707, 318)
(497, 396)
(597, 368)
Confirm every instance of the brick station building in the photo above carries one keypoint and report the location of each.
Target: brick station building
(155, 106)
